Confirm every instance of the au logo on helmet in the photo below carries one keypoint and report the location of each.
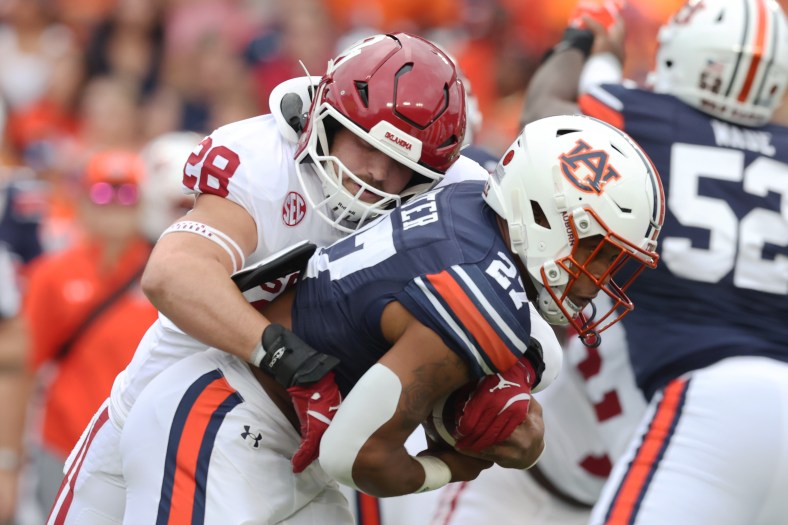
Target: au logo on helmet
(588, 169)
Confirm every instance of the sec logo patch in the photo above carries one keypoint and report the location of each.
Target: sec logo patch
(293, 209)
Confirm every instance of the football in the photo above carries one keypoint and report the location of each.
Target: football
(441, 425)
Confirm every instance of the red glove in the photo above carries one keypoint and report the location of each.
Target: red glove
(496, 407)
(315, 405)
(605, 13)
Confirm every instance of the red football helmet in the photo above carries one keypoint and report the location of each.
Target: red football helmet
(402, 95)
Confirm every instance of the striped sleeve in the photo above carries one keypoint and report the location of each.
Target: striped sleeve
(475, 317)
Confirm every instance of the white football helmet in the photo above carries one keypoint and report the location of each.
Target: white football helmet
(566, 178)
(162, 198)
(728, 59)
(402, 95)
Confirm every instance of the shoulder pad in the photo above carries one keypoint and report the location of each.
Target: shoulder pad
(304, 87)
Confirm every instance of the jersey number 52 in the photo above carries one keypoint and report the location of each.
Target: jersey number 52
(733, 244)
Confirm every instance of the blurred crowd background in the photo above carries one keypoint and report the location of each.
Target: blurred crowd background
(80, 76)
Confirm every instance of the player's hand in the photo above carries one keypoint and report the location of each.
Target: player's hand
(604, 19)
(496, 407)
(523, 448)
(315, 405)
(604, 13)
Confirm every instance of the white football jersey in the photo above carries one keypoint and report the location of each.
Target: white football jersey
(251, 163)
(589, 413)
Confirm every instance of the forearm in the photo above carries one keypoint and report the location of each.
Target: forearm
(364, 446)
(194, 290)
(388, 474)
(14, 389)
(554, 87)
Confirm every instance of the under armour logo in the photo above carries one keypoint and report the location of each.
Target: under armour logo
(248, 434)
(502, 383)
(588, 169)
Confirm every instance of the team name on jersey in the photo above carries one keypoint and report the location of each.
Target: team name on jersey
(727, 135)
(420, 211)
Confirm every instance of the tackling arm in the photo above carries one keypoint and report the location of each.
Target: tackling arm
(188, 280)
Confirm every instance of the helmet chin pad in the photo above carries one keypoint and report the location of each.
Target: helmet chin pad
(549, 309)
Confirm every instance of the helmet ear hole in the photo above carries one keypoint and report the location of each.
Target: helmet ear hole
(540, 217)
(363, 92)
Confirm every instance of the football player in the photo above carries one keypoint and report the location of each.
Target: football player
(707, 342)
(384, 123)
(440, 292)
(22, 204)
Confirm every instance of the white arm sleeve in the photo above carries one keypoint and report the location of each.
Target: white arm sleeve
(371, 403)
(600, 68)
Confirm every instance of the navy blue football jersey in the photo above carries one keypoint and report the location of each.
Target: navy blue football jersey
(22, 204)
(443, 258)
(721, 287)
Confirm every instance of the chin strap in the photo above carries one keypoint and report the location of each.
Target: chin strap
(592, 339)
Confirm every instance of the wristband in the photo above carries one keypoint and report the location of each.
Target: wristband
(258, 354)
(436, 473)
(573, 38)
